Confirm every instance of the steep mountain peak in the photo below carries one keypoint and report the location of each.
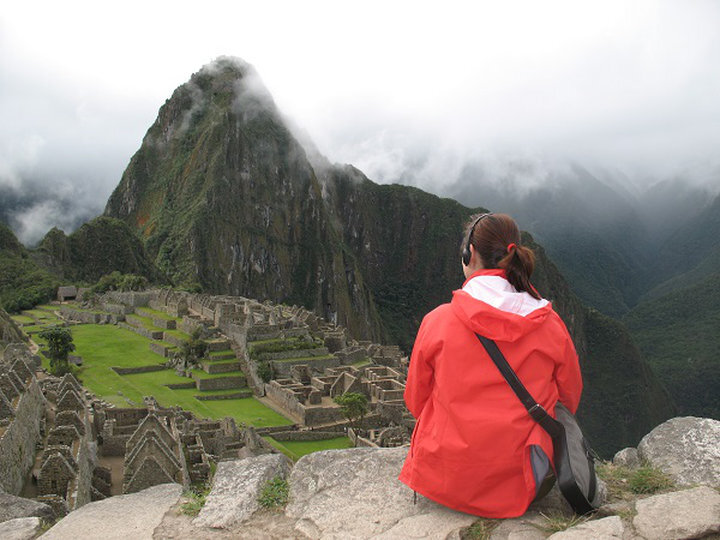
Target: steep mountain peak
(9, 242)
(227, 84)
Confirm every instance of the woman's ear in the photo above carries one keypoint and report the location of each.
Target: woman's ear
(475, 259)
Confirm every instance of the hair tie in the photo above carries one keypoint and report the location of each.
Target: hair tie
(511, 246)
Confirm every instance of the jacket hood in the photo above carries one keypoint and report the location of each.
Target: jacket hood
(490, 306)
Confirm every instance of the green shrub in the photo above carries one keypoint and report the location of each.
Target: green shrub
(60, 345)
(623, 483)
(265, 371)
(116, 281)
(197, 495)
(480, 530)
(557, 522)
(275, 493)
(648, 480)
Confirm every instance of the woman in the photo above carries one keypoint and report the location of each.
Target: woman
(475, 448)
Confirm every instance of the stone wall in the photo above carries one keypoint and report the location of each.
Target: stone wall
(220, 383)
(18, 442)
(305, 435)
(161, 349)
(139, 369)
(181, 386)
(69, 456)
(282, 368)
(118, 309)
(286, 400)
(141, 330)
(90, 317)
(133, 299)
(322, 415)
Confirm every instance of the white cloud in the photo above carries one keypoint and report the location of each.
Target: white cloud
(391, 87)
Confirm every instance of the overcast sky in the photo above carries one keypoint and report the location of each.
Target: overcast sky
(388, 86)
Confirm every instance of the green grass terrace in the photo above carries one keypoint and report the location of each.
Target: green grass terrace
(296, 449)
(105, 346)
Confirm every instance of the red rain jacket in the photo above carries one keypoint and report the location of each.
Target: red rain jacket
(471, 446)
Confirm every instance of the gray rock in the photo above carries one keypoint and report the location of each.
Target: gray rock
(692, 513)
(236, 488)
(20, 528)
(627, 457)
(527, 527)
(134, 516)
(686, 448)
(355, 493)
(12, 507)
(608, 528)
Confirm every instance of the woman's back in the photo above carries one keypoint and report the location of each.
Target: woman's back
(475, 448)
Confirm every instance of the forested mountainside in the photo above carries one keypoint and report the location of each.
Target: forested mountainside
(97, 248)
(690, 254)
(678, 334)
(23, 283)
(593, 231)
(650, 259)
(223, 194)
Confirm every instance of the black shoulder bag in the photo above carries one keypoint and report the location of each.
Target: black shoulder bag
(574, 460)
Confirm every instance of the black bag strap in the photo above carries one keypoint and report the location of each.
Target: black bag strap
(563, 467)
(537, 411)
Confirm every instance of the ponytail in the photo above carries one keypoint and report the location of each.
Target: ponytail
(519, 264)
(497, 240)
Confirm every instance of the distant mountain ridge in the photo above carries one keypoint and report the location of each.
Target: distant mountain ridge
(643, 258)
(222, 193)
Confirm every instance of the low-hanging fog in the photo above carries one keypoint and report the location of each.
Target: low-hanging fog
(446, 96)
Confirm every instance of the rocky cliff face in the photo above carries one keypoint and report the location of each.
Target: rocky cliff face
(223, 194)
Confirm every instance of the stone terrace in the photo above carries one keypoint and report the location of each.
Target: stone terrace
(286, 355)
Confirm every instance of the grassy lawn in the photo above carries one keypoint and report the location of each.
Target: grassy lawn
(154, 313)
(34, 328)
(308, 359)
(42, 314)
(201, 374)
(221, 353)
(22, 319)
(178, 334)
(104, 346)
(296, 449)
(146, 322)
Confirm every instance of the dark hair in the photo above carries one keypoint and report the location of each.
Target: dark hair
(496, 238)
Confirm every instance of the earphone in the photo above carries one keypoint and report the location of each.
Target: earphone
(466, 250)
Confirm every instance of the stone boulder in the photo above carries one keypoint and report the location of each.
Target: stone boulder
(605, 528)
(236, 488)
(134, 516)
(692, 513)
(12, 507)
(686, 448)
(627, 457)
(355, 493)
(20, 528)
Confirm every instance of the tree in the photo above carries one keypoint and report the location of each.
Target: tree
(60, 345)
(116, 281)
(354, 407)
(193, 349)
